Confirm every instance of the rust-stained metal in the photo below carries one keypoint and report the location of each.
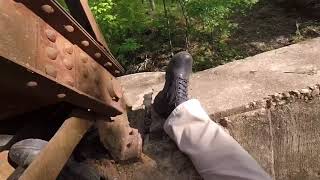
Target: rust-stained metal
(122, 141)
(47, 58)
(34, 52)
(52, 13)
(32, 89)
(80, 10)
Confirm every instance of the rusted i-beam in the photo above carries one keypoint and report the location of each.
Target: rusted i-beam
(52, 13)
(48, 67)
(46, 58)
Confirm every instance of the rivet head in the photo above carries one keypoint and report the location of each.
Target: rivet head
(52, 53)
(51, 35)
(67, 63)
(85, 43)
(32, 84)
(109, 64)
(117, 72)
(68, 80)
(47, 8)
(51, 70)
(68, 48)
(94, 66)
(97, 80)
(69, 28)
(85, 73)
(83, 58)
(61, 95)
(97, 55)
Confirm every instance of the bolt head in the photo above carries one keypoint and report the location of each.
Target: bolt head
(47, 9)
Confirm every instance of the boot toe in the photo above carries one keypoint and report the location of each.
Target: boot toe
(24, 152)
(181, 65)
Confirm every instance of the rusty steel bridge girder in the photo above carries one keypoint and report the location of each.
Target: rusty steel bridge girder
(41, 58)
(47, 58)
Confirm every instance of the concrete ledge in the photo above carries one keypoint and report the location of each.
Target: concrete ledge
(269, 103)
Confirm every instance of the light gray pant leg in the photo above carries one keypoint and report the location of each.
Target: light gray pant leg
(214, 153)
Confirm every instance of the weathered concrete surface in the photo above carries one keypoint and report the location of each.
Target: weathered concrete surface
(241, 82)
(281, 131)
(252, 130)
(296, 143)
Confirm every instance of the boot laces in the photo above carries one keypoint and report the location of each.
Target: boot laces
(182, 89)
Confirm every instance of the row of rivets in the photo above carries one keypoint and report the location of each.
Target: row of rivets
(68, 63)
(52, 53)
(34, 84)
(52, 37)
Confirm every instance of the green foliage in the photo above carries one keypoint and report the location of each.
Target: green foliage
(213, 15)
(131, 27)
(122, 22)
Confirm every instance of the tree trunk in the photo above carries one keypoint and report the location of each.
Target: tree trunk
(168, 24)
(184, 13)
(152, 5)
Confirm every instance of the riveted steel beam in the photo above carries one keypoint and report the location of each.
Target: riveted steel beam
(39, 66)
(53, 14)
(27, 89)
(80, 10)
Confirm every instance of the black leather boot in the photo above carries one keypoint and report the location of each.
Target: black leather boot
(175, 90)
(24, 152)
